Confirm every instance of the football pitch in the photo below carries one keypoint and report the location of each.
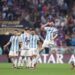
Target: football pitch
(42, 69)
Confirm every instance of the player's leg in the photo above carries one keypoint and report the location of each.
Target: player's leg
(46, 46)
(37, 57)
(24, 58)
(16, 54)
(19, 61)
(34, 58)
(29, 58)
(21, 58)
(53, 47)
(11, 56)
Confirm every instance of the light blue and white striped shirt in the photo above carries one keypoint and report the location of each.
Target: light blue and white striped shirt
(14, 40)
(24, 40)
(33, 41)
(50, 32)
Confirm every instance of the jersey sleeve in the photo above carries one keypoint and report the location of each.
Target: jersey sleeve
(20, 38)
(55, 31)
(10, 39)
(38, 38)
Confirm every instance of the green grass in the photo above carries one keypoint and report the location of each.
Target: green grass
(42, 69)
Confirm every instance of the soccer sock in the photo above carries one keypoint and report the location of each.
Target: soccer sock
(12, 60)
(23, 61)
(16, 62)
(29, 62)
(33, 62)
(20, 61)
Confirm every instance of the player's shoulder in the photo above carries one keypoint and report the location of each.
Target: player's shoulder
(54, 28)
(37, 36)
(12, 36)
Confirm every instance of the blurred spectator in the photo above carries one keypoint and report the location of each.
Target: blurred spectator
(67, 40)
(73, 39)
(60, 2)
(4, 11)
(10, 2)
(1, 51)
(34, 12)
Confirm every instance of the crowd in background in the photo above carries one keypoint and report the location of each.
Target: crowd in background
(34, 12)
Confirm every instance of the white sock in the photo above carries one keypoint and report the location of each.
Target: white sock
(16, 62)
(23, 61)
(29, 62)
(12, 60)
(20, 61)
(26, 61)
(33, 62)
(37, 58)
(25, 58)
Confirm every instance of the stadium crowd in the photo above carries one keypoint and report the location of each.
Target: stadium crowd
(36, 12)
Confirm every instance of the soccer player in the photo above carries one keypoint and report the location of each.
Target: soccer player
(14, 49)
(51, 35)
(33, 49)
(24, 48)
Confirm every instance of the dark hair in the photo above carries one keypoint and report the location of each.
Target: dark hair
(16, 30)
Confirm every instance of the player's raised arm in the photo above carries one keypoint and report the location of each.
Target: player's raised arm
(55, 34)
(44, 25)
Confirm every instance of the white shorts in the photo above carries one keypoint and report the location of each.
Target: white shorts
(47, 43)
(23, 52)
(33, 51)
(13, 53)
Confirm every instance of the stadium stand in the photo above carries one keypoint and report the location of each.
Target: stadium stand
(33, 13)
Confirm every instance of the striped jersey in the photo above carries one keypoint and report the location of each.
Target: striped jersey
(14, 40)
(33, 41)
(24, 40)
(50, 32)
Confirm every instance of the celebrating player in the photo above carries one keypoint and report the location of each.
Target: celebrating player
(14, 49)
(24, 47)
(51, 35)
(33, 48)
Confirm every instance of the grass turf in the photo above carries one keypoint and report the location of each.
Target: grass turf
(42, 69)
